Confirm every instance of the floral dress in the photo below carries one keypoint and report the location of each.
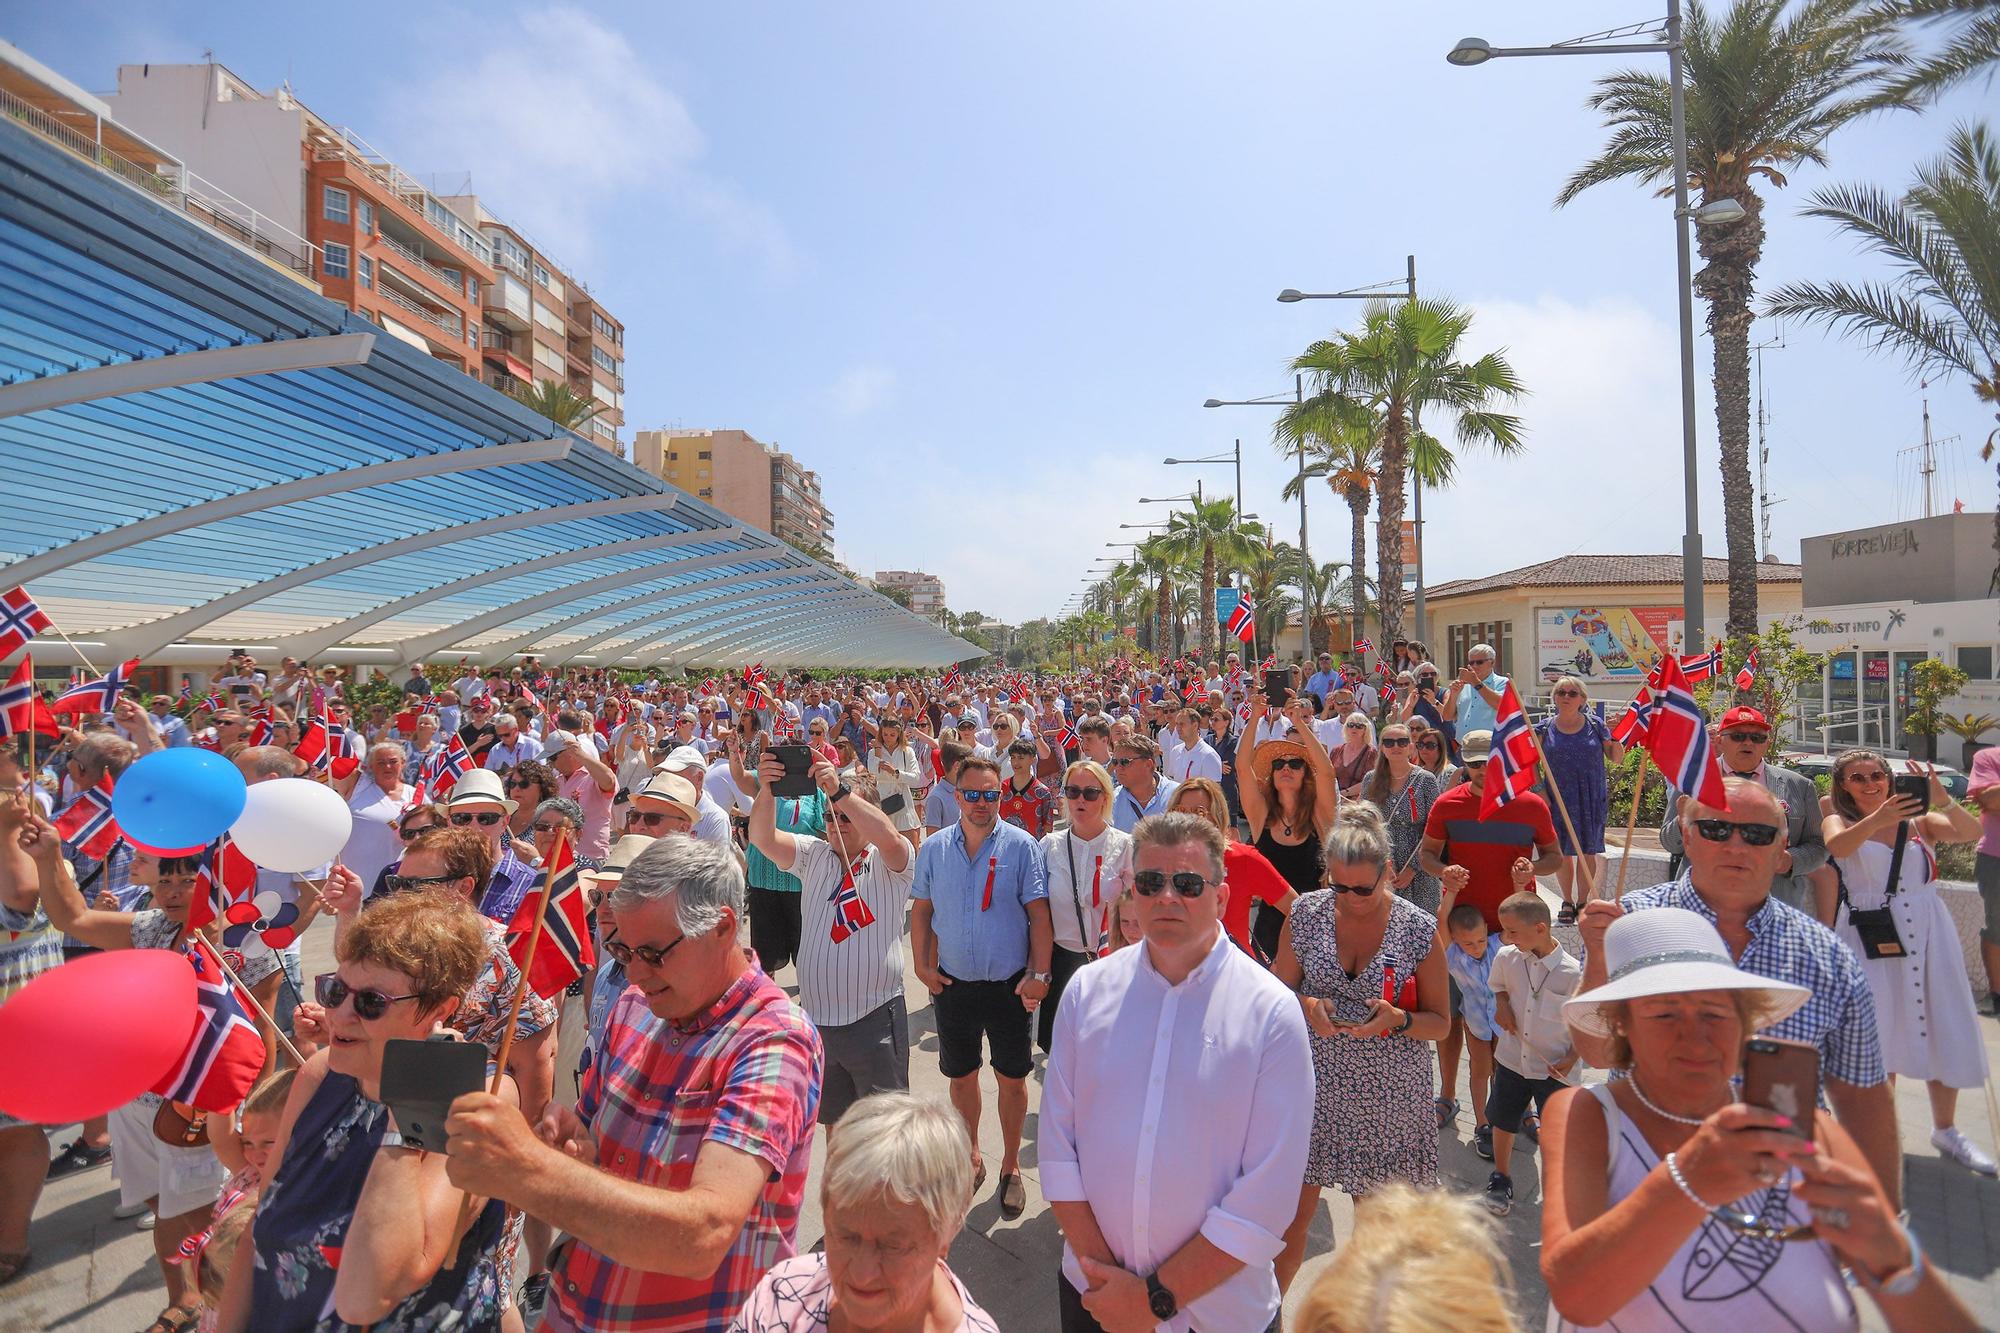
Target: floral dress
(1373, 1118)
(302, 1222)
(1577, 760)
(1407, 808)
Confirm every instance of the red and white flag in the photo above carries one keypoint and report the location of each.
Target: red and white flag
(1677, 736)
(95, 696)
(86, 823)
(1510, 768)
(1243, 619)
(1746, 675)
(227, 878)
(20, 620)
(565, 952)
(17, 699)
(1630, 728)
(1701, 666)
(225, 1052)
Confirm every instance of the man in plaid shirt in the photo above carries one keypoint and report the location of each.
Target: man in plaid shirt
(680, 1171)
(1728, 881)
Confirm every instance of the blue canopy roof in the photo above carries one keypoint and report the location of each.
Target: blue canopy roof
(200, 450)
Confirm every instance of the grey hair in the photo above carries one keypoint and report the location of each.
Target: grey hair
(703, 876)
(269, 761)
(904, 1147)
(387, 747)
(104, 752)
(1359, 836)
(564, 806)
(1486, 648)
(1177, 830)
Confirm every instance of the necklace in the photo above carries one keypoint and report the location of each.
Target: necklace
(1647, 1102)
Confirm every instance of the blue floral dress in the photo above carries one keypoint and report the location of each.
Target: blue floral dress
(302, 1223)
(1577, 759)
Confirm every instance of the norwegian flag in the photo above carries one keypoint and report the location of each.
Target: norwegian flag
(347, 749)
(214, 703)
(20, 620)
(1364, 646)
(708, 685)
(1630, 728)
(1066, 738)
(1243, 619)
(565, 952)
(319, 701)
(1512, 761)
(528, 698)
(850, 911)
(17, 699)
(1701, 666)
(95, 696)
(225, 1052)
(260, 724)
(446, 765)
(1746, 675)
(1243, 714)
(753, 674)
(316, 742)
(1677, 735)
(87, 824)
(1270, 662)
(950, 681)
(227, 878)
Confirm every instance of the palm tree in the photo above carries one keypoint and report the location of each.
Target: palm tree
(1403, 365)
(1972, 50)
(1332, 583)
(1211, 536)
(556, 401)
(1161, 568)
(1272, 566)
(1345, 451)
(1766, 89)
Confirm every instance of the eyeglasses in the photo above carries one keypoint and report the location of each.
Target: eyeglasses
(404, 883)
(485, 819)
(1362, 890)
(1569, 694)
(1083, 793)
(991, 797)
(651, 957)
(521, 784)
(551, 828)
(369, 1005)
(1718, 830)
(1187, 883)
(1394, 742)
(1288, 761)
(1746, 737)
(1477, 661)
(1124, 763)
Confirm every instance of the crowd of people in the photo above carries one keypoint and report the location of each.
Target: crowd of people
(1237, 928)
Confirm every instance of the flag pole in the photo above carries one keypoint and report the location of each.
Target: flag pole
(1632, 821)
(262, 1013)
(1555, 790)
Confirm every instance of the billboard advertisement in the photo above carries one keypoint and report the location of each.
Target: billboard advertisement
(1604, 643)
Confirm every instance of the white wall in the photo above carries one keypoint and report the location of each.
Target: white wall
(248, 148)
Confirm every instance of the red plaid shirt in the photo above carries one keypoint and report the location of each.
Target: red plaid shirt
(746, 1074)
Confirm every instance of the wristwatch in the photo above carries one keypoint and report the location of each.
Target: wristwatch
(1409, 1017)
(1045, 978)
(393, 1139)
(1905, 1280)
(1160, 1299)
(840, 793)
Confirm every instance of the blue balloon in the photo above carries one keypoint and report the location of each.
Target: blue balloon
(172, 800)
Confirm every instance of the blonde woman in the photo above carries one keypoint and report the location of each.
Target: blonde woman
(1418, 1260)
(1086, 863)
(892, 762)
(1404, 793)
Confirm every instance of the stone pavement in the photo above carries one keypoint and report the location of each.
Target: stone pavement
(94, 1274)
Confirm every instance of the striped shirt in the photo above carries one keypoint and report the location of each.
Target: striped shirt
(842, 982)
(745, 1073)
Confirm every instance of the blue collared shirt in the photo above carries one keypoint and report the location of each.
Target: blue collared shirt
(1474, 713)
(1127, 811)
(1322, 683)
(975, 945)
(941, 806)
(512, 878)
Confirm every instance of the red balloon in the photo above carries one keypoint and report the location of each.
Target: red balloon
(89, 1036)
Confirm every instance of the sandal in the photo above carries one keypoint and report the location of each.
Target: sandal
(978, 1177)
(1447, 1108)
(1013, 1195)
(175, 1319)
(1531, 1128)
(1567, 916)
(13, 1265)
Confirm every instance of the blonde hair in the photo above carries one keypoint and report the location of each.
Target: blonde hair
(1097, 773)
(218, 1252)
(1218, 807)
(900, 1146)
(432, 937)
(1359, 836)
(268, 1097)
(1418, 1260)
(1116, 933)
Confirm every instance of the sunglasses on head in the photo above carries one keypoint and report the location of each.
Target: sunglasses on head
(991, 797)
(1152, 883)
(1718, 830)
(651, 957)
(1288, 761)
(485, 819)
(1746, 737)
(1083, 793)
(369, 1005)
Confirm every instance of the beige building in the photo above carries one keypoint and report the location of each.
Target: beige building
(926, 590)
(1603, 618)
(744, 478)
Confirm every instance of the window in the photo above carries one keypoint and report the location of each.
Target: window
(1976, 662)
(333, 262)
(472, 288)
(472, 334)
(604, 360)
(704, 454)
(547, 360)
(548, 318)
(606, 328)
(335, 204)
(673, 456)
(706, 493)
(364, 270)
(541, 274)
(1460, 638)
(365, 211)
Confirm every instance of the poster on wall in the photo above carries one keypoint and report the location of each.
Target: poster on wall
(1604, 643)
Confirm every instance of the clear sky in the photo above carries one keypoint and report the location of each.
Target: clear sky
(980, 265)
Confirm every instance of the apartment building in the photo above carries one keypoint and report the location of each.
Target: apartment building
(926, 590)
(744, 478)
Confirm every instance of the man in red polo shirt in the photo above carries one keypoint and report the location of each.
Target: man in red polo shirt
(1456, 835)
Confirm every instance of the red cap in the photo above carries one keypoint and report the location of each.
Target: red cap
(1743, 716)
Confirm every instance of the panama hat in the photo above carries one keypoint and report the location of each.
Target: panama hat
(1671, 951)
(671, 789)
(623, 853)
(481, 784)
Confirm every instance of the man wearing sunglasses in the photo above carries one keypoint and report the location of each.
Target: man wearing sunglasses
(1135, 767)
(1481, 851)
(1732, 857)
(1743, 744)
(1172, 1143)
(478, 803)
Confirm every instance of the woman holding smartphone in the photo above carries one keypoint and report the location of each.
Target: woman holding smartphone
(1886, 907)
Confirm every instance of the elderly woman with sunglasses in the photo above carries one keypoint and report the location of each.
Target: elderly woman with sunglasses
(1670, 1204)
(376, 795)
(1086, 862)
(1373, 986)
(1882, 842)
(1578, 746)
(529, 783)
(356, 1226)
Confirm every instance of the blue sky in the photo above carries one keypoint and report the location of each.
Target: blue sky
(980, 266)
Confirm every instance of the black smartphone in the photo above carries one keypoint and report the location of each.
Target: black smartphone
(1914, 785)
(797, 781)
(1783, 1076)
(1276, 683)
(420, 1081)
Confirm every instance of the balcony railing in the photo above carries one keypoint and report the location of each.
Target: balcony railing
(450, 323)
(416, 256)
(337, 143)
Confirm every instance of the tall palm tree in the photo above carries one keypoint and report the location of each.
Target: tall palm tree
(1344, 450)
(1209, 535)
(1333, 583)
(1161, 568)
(1768, 84)
(1973, 49)
(556, 401)
(1403, 365)
(1272, 566)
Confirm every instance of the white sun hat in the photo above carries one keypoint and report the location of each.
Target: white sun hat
(1670, 951)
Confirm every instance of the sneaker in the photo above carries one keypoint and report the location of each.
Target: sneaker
(1953, 1144)
(533, 1295)
(1482, 1141)
(146, 1221)
(1447, 1111)
(79, 1156)
(1499, 1194)
(126, 1211)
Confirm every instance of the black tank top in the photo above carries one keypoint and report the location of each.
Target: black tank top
(1298, 866)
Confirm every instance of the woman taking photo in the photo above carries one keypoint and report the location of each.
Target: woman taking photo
(1354, 757)
(353, 1221)
(1404, 792)
(1373, 986)
(1289, 797)
(1250, 876)
(1923, 998)
(1669, 1205)
(892, 762)
(1085, 864)
(1578, 746)
(634, 761)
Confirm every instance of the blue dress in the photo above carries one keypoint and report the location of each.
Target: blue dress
(1577, 759)
(302, 1223)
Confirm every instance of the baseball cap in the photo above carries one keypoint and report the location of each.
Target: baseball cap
(556, 742)
(1743, 716)
(680, 759)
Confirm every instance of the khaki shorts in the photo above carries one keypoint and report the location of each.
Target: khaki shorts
(182, 1179)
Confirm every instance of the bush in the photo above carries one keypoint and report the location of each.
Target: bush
(1652, 803)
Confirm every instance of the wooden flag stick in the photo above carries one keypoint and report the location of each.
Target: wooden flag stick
(1582, 865)
(1632, 821)
(272, 1023)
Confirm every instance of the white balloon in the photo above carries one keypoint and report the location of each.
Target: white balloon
(292, 825)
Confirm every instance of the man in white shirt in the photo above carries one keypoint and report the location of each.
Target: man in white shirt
(1174, 1201)
(1187, 754)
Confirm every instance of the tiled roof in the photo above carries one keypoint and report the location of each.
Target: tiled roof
(1582, 571)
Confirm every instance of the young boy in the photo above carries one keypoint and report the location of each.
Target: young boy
(1532, 976)
(1468, 958)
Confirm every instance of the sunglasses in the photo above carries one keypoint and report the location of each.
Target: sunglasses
(1288, 761)
(521, 784)
(1356, 726)
(1427, 745)
(1746, 737)
(1152, 883)
(1361, 890)
(1394, 742)
(650, 818)
(1569, 694)
(1083, 793)
(991, 797)
(651, 957)
(1718, 830)
(408, 833)
(550, 828)
(369, 1005)
(405, 883)
(485, 819)
(1870, 778)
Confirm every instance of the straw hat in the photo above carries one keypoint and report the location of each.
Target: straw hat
(670, 789)
(1278, 747)
(481, 784)
(1671, 951)
(623, 852)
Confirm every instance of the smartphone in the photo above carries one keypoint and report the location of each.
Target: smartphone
(1914, 785)
(1276, 683)
(797, 781)
(420, 1081)
(1783, 1076)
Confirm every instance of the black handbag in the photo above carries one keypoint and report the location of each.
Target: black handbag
(1877, 925)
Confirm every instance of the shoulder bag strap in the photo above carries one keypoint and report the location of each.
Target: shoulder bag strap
(1895, 867)
(1075, 889)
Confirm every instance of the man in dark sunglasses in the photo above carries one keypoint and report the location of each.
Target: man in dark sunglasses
(478, 802)
(1742, 747)
(1479, 851)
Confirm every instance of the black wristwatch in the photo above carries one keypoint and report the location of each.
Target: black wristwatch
(840, 793)
(1163, 1302)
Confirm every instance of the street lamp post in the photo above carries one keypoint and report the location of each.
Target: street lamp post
(1305, 560)
(1234, 455)
(1477, 51)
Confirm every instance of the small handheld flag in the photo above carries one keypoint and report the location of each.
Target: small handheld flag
(20, 620)
(1746, 675)
(1510, 769)
(1243, 619)
(95, 696)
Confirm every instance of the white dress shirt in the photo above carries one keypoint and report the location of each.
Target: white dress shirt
(1177, 1110)
(1181, 762)
(1104, 862)
(1535, 989)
